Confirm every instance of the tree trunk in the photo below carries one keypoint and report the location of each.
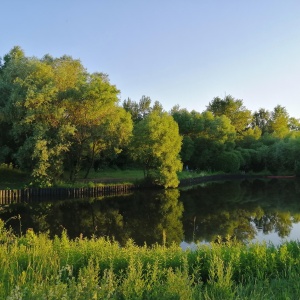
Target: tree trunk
(92, 162)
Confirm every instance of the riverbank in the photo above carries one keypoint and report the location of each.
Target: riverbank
(218, 177)
(12, 178)
(36, 194)
(120, 183)
(35, 267)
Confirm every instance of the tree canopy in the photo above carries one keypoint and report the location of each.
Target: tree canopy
(57, 115)
(56, 119)
(156, 145)
(234, 110)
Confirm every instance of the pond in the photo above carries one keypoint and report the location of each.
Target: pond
(246, 210)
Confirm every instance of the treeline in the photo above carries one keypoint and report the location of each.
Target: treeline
(228, 137)
(57, 119)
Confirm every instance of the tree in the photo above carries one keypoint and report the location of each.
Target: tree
(204, 136)
(218, 129)
(187, 149)
(100, 123)
(7, 76)
(228, 161)
(279, 122)
(36, 117)
(55, 112)
(133, 108)
(261, 119)
(156, 145)
(139, 110)
(217, 135)
(233, 109)
(190, 123)
(294, 127)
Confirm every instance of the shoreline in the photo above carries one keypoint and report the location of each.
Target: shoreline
(9, 196)
(218, 177)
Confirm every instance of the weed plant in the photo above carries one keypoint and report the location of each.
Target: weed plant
(35, 267)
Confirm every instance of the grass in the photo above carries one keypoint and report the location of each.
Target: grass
(36, 267)
(136, 174)
(132, 174)
(116, 175)
(11, 178)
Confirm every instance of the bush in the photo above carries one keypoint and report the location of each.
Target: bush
(228, 162)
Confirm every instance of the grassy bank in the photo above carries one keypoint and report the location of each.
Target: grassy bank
(35, 267)
(11, 178)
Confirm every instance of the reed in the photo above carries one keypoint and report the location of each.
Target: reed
(33, 266)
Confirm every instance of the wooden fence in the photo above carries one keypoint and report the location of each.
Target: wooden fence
(21, 195)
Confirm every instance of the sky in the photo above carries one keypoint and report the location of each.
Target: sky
(177, 52)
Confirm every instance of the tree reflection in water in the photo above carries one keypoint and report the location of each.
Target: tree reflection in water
(146, 217)
(236, 209)
(240, 208)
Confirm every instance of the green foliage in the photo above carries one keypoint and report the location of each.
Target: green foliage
(35, 267)
(297, 168)
(233, 109)
(156, 145)
(36, 117)
(56, 117)
(139, 110)
(101, 125)
(267, 142)
(187, 149)
(204, 137)
(279, 122)
(261, 119)
(228, 162)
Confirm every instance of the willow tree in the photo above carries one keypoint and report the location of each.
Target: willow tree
(156, 144)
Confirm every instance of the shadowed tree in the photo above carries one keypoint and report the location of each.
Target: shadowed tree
(261, 119)
(141, 109)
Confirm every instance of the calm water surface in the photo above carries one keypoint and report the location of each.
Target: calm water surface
(255, 210)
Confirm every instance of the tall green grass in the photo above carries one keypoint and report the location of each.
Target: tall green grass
(35, 267)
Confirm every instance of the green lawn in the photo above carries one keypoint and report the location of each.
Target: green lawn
(125, 175)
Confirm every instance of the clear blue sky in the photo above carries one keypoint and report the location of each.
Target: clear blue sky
(177, 52)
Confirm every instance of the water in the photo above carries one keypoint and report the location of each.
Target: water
(256, 210)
